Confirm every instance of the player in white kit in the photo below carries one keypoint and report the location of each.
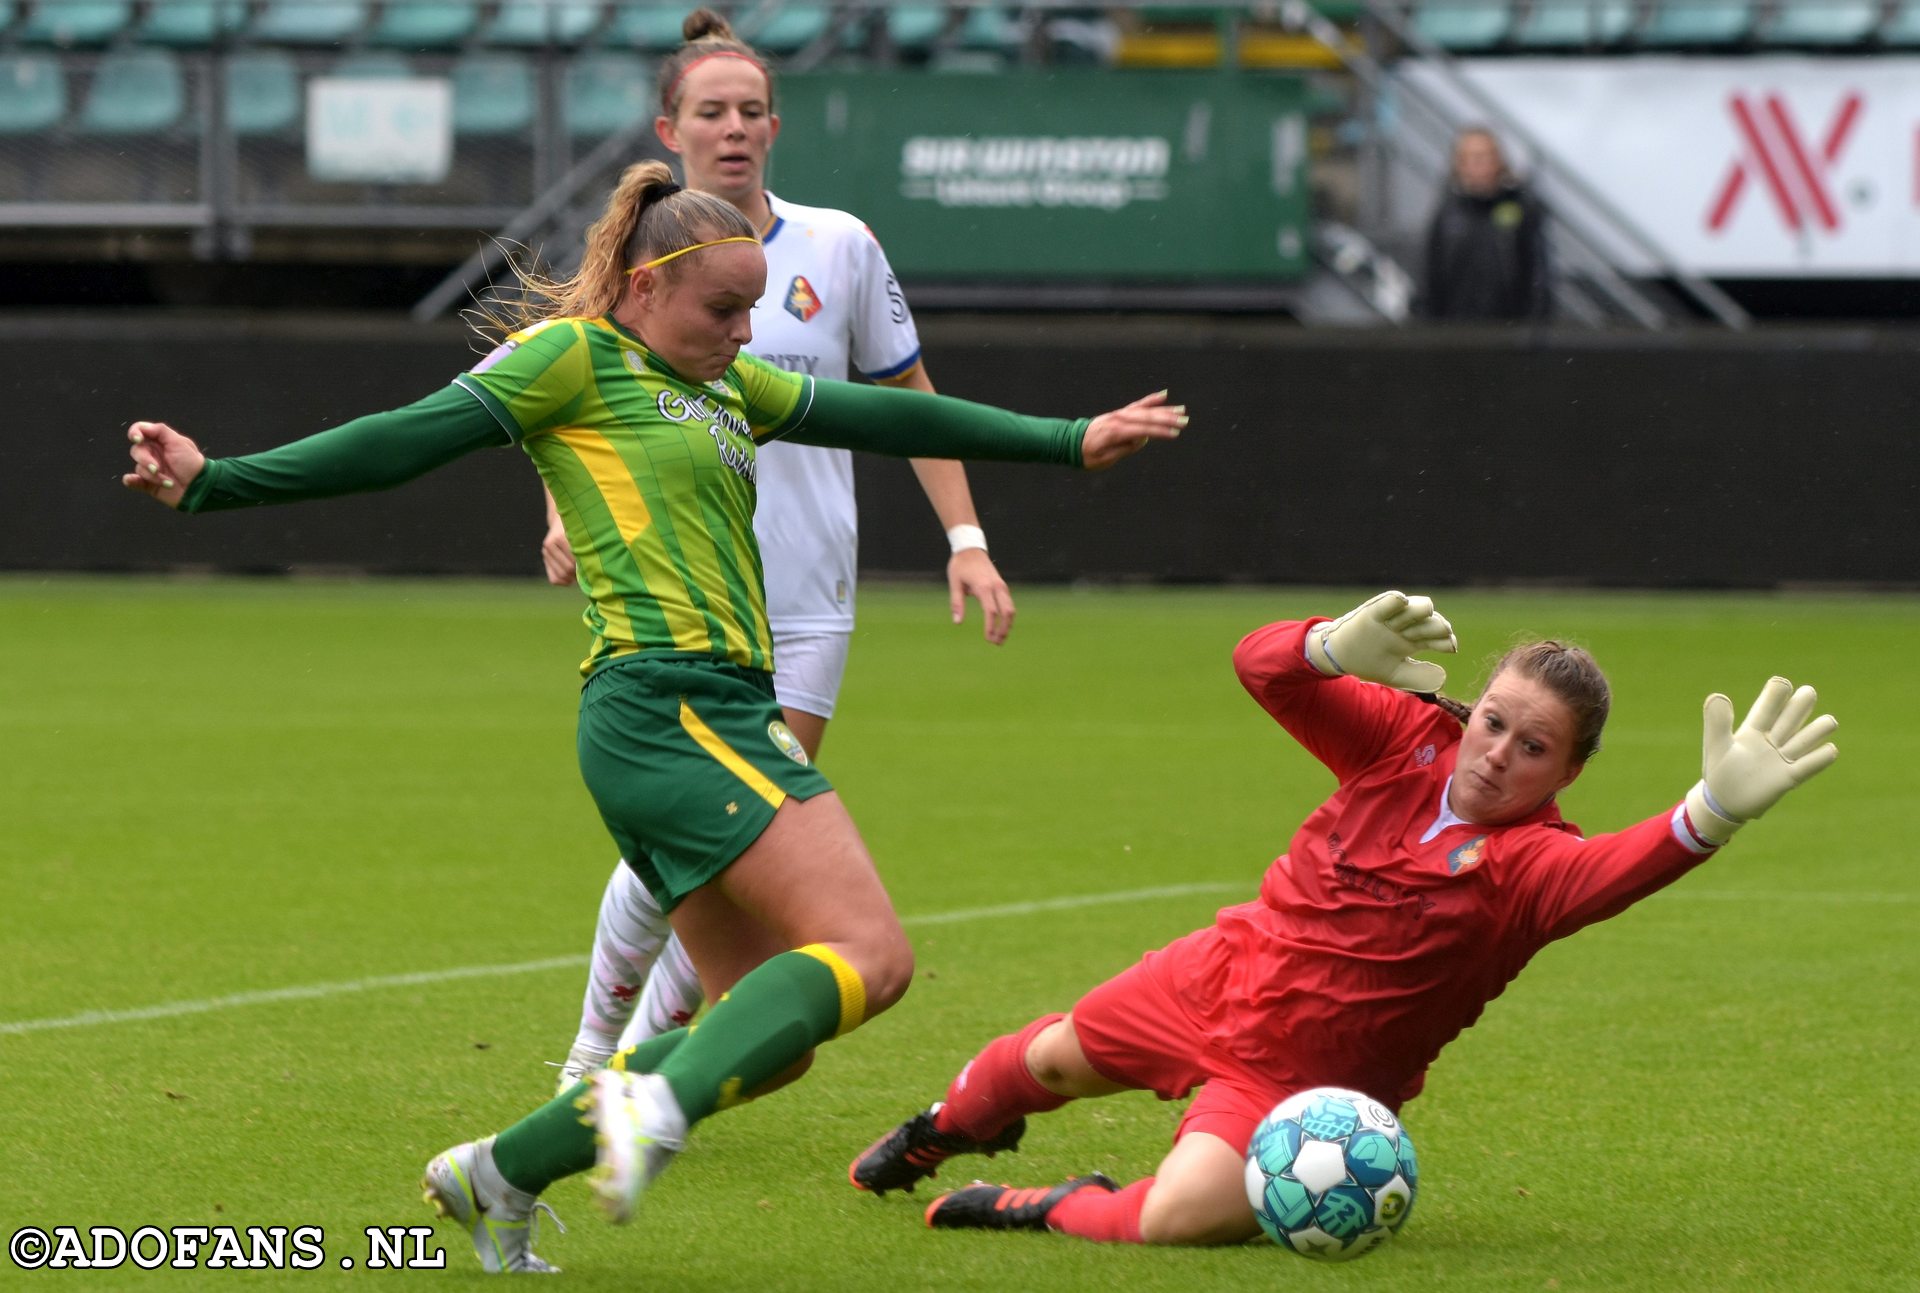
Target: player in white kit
(832, 308)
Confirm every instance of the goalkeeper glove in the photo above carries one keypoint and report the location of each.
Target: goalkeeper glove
(1744, 772)
(1375, 640)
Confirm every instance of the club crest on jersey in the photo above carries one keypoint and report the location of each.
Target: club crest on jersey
(1467, 856)
(789, 744)
(802, 301)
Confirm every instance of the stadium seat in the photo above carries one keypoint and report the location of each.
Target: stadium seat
(76, 22)
(493, 94)
(646, 27)
(425, 24)
(1902, 27)
(541, 22)
(134, 92)
(790, 30)
(191, 23)
(310, 22)
(605, 92)
(1697, 23)
(913, 28)
(1822, 23)
(991, 29)
(1574, 26)
(33, 93)
(1463, 26)
(263, 93)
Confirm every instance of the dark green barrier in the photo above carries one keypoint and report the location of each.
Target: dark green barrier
(1060, 175)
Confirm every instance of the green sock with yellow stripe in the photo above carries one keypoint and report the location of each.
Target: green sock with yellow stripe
(553, 1141)
(778, 1012)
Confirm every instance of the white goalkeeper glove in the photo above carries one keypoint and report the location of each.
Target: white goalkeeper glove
(1746, 772)
(1376, 639)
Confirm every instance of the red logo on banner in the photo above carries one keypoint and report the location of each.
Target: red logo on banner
(1795, 177)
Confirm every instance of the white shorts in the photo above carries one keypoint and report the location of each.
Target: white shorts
(807, 668)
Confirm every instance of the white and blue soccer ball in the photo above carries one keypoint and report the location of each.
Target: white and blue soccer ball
(1331, 1174)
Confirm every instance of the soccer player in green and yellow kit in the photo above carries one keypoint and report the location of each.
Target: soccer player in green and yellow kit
(626, 385)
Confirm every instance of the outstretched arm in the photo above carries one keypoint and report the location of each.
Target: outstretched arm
(374, 452)
(880, 419)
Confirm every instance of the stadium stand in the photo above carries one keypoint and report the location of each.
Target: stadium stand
(536, 22)
(493, 94)
(606, 91)
(1464, 25)
(1820, 24)
(1555, 28)
(1697, 24)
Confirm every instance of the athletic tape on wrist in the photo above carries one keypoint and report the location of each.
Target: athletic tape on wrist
(962, 538)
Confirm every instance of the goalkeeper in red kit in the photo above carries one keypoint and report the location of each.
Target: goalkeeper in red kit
(1405, 903)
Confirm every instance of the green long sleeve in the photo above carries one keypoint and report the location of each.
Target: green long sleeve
(378, 451)
(914, 424)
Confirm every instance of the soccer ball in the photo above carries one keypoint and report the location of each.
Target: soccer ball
(1331, 1174)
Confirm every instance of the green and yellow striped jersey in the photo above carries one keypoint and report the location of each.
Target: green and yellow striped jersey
(653, 476)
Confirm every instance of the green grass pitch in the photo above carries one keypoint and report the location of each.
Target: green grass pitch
(218, 791)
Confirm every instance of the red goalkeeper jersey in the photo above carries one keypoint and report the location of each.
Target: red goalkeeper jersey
(1388, 924)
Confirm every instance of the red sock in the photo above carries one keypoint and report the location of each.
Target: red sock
(1103, 1217)
(996, 1087)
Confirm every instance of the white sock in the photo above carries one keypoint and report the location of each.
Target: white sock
(670, 999)
(496, 1194)
(626, 943)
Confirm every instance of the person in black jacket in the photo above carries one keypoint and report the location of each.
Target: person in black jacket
(1486, 245)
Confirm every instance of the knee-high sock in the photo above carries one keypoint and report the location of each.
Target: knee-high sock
(996, 1087)
(1108, 1218)
(553, 1141)
(670, 999)
(783, 1008)
(626, 941)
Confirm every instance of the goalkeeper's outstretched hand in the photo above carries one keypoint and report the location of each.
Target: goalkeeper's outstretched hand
(1377, 640)
(1747, 770)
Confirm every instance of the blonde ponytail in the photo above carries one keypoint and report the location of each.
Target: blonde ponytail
(647, 216)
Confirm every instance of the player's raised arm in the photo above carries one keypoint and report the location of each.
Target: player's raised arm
(903, 423)
(1748, 770)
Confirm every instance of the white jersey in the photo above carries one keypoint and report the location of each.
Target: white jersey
(832, 306)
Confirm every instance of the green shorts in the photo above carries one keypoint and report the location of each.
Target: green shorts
(687, 760)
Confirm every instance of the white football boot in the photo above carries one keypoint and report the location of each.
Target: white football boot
(638, 1129)
(463, 1185)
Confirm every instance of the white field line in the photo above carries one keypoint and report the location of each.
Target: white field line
(315, 991)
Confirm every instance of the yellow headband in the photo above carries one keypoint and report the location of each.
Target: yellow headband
(661, 260)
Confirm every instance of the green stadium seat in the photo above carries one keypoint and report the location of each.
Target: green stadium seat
(1464, 26)
(991, 29)
(263, 93)
(76, 22)
(310, 22)
(646, 27)
(541, 22)
(1697, 23)
(191, 23)
(33, 93)
(1902, 27)
(606, 91)
(1572, 25)
(1822, 23)
(792, 29)
(425, 24)
(134, 92)
(493, 94)
(913, 28)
